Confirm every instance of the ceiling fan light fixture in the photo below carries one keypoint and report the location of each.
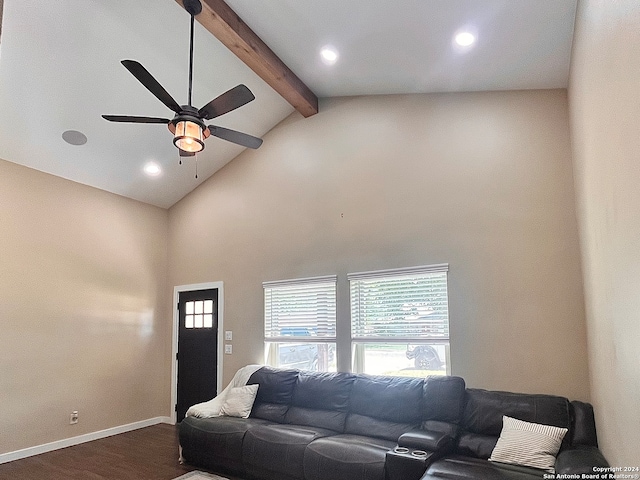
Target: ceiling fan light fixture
(187, 127)
(189, 136)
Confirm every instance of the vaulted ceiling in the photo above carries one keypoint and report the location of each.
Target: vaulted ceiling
(60, 70)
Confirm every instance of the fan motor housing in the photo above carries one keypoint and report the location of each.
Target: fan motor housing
(194, 7)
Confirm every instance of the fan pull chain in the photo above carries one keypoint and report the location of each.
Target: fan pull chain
(196, 158)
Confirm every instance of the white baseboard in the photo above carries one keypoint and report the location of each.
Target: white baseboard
(87, 437)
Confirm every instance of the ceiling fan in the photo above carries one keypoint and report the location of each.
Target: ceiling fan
(188, 125)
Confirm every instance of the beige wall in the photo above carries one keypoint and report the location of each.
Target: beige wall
(482, 181)
(83, 312)
(605, 118)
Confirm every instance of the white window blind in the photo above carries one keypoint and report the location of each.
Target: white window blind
(302, 308)
(400, 305)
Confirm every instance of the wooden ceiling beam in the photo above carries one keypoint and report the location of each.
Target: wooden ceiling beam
(220, 20)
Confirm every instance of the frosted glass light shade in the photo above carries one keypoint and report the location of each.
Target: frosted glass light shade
(188, 136)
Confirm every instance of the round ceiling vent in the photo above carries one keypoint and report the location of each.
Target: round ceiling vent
(74, 137)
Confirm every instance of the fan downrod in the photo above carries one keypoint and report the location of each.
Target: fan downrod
(194, 7)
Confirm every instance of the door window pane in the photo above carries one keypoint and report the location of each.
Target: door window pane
(199, 306)
(208, 306)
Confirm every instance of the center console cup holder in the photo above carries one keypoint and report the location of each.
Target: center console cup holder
(407, 463)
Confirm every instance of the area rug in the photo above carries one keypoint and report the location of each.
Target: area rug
(200, 476)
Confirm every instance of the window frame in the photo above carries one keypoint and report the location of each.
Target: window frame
(272, 342)
(357, 355)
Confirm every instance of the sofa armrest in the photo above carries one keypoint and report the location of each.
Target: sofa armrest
(580, 459)
(425, 440)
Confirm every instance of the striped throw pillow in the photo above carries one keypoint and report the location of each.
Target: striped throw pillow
(528, 444)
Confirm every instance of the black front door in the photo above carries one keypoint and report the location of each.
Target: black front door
(197, 348)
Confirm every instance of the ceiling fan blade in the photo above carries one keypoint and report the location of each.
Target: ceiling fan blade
(228, 101)
(235, 137)
(131, 119)
(186, 154)
(146, 79)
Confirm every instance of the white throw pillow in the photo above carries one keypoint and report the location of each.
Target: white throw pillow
(528, 444)
(239, 401)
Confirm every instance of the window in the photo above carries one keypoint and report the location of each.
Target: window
(400, 321)
(198, 314)
(300, 323)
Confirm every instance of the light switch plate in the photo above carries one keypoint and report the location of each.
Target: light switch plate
(228, 335)
(228, 349)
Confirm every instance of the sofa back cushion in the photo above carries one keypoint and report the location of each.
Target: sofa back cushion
(483, 412)
(443, 399)
(321, 400)
(384, 407)
(443, 404)
(274, 394)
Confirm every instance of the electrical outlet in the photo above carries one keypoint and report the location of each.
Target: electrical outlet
(73, 417)
(228, 335)
(228, 349)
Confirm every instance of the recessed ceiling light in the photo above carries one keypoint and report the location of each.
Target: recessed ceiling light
(329, 55)
(74, 137)
(152, 169)
(465, 39)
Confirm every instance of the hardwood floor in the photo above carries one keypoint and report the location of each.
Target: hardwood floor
(147, 454)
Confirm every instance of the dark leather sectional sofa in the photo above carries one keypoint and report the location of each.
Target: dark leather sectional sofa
(341, 426)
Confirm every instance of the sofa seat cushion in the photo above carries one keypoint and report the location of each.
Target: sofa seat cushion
(346, 457)
(459, 467)
(277, 450)
(215, 442)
